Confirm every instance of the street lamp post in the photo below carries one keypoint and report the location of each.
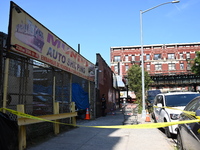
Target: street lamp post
(142, 54)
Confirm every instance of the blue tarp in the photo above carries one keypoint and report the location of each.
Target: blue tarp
(47, 90)
(42, 89)
(79, 96)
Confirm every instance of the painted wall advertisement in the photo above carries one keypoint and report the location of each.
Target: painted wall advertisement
(30, 38)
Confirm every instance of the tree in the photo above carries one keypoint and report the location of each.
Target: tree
(135, 82)
(196, 63)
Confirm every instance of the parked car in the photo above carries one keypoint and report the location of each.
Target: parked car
(42, 104)
(151, 94)
(175, 100)
(188, 135)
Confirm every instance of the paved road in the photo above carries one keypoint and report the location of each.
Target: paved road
(83, 138)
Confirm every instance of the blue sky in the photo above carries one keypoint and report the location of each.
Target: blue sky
(98, 25)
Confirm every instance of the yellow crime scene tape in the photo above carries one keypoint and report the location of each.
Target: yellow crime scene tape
(137, 126)
(187, 112)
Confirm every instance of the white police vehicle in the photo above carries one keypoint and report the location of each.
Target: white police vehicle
(163, 108)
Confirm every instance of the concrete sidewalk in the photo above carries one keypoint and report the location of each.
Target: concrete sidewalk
(84, 138)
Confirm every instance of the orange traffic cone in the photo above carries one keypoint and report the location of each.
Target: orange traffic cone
(87, 115)
(147, 117)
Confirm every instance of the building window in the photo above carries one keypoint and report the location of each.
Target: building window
(116, 68)
(117, 58)
(157, 56)
(133, 58)
(158, 67)
(126, 68)
(116, 49)
(171, 66)
(181, 66)
(188, 67)
(187, 55)
(181, 55)
(126, 58)
(157, 47)
(147, 57)
(140, 57)
(170, 46)
(148, 67)
(171, 56)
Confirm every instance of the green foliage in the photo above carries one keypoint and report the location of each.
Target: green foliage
(134, 78)
(196, 64)
(135, 82)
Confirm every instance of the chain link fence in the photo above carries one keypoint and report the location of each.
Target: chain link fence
(30, 83)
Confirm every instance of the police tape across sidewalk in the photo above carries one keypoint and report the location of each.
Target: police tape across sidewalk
(187, 112)
(138, 126)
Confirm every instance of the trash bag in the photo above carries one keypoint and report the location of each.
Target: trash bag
(8, 133)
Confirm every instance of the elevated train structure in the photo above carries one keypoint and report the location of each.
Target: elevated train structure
(183, 82)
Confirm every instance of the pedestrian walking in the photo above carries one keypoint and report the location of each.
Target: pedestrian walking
(103, 105)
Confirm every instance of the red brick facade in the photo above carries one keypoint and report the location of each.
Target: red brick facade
(159, 59)
(169, 65)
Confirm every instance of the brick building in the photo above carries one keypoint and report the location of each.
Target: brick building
(163, 60)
